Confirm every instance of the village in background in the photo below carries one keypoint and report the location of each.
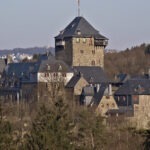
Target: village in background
(77, 95)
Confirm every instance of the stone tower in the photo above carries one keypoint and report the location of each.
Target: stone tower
(79, 44)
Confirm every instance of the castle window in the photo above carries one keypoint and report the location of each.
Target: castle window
(77, 40)
(81, 51)
(99, 61)
(46, 74)
(84, 40)
(90, 41)
(107, 105)
(93, 63)
(64, 74)
(93, 51)
(113, 105)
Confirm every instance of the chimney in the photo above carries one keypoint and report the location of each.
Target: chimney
(110, 89)
(80, 74)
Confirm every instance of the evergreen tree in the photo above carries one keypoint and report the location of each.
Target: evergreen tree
(5, 135)
(50, 128)
(147, 140)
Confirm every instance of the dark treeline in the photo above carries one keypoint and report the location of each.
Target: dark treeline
(131, 61)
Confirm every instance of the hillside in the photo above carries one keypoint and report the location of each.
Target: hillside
(131, 61)
(31, 51)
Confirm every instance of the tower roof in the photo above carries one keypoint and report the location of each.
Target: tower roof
(82, 26)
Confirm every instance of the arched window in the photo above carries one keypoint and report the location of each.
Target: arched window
(93, 51)
(113, 105)
(90, 41)
(93, 63)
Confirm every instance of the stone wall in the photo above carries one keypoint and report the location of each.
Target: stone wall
(141, 117)
(79, 86)
(81, 52)
(106, 103)
(85, 52)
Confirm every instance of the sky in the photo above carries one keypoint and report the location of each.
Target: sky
(30, 23)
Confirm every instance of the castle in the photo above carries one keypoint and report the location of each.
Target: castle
(80, 44)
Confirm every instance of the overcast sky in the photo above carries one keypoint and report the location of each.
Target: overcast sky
(28, 23)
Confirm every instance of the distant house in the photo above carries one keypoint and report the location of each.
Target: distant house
(50, 72)
(100, 97)
(84, 76)
(91, 88)
(10, 88)
(54, 70)
(26, 75)
(134, 99)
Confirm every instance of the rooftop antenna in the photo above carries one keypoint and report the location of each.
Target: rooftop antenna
(78, 8)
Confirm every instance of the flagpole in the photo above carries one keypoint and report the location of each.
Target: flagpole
(78, 8)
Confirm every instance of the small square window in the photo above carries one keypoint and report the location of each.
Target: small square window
(93, 63)
(113, 105)
(90, 41)
(93, 51)
(81, 51)
(64, 74)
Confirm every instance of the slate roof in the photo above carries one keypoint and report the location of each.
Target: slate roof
(135, 87)
(54, 66)
(122, 78)
(98, 96)
(82, 25)
(73, 81)
(2, 65)
(92, 74)
(46, 56)
(23, 71)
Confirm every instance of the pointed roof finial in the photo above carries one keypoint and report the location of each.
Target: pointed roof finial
(78, 8)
